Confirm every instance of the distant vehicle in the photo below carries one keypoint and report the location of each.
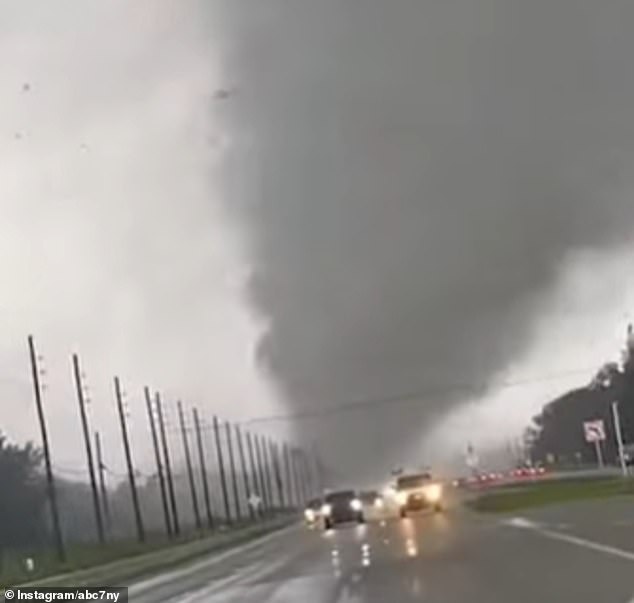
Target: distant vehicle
(371, 498)
(417, 491)
(525, 471)
(374, 504)
(490, 478)
(312, 513)
(340, 507)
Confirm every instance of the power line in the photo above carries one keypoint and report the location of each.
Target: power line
(409, 397)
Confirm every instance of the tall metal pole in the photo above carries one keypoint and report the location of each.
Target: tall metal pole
(50, 480)
(318, 468)
(299, 485)
(254, 473)
(221, 468)
(168, 465)
(203, 470)
(306, 473)
(91, 467)
(190, 471)
(277, 476)
(287, 473)
(234, 475)
(159, 464)
(264, 493)
(102, 480)
(267, 473)
(128, 459)
(245, 473)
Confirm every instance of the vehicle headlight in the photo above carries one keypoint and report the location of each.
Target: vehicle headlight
(326, 510)
(401, 498)
(309, 514)
(433, 492)
(355, 504)
(378, 502)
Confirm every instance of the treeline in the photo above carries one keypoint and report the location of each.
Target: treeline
(556, 434)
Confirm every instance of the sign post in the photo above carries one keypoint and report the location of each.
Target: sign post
(472, 460)
(597, 446)
(594, 432)
(619, 437)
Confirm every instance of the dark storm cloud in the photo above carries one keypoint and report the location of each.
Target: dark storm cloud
(415, 174)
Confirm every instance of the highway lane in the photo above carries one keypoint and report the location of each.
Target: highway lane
(454, 558)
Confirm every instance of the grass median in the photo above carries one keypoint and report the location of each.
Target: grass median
(121, 563)
(537, 494)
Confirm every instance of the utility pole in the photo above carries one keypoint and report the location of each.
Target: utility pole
(619, 437)
(299, 485)
(128, 459)
(168, 465)
(234, 476)
(245, 474)
(267, 473)
(50, 481)
(91, 467)
(277, 474)
(258, 454)
(190, 471)
(102, 480)
(221, 468)
(159, 464)
(306, 473)
(287, 472)
(319, 470)
(203, 470)
(254, 474)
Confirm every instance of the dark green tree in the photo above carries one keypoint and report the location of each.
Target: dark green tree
(22, 495)
(558, 430)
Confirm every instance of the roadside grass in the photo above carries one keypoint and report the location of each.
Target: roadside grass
(538, 494)
(119, 563)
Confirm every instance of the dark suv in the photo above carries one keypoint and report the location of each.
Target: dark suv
(341, 507)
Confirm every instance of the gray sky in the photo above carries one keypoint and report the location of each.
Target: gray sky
(384, 197)
(114, 234)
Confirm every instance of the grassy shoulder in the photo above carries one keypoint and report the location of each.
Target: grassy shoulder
(121, 563)
(538, 494)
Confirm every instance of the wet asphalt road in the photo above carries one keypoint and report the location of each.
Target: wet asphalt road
(579, 553)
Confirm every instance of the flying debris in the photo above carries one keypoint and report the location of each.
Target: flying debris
(223, 93)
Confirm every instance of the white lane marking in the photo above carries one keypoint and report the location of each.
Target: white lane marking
(520, 522)
(286, 591)
(243, 580)
(527, 524)
(209, 560)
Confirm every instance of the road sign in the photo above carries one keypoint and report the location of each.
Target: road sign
(471, 458)
(594, 431)
(254, 501)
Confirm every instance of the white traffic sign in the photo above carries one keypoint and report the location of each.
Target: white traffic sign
(594, 431)
(254, 501)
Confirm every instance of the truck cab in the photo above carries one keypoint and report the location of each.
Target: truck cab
(418, 491)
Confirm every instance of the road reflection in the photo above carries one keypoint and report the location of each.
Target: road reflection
(366, 560)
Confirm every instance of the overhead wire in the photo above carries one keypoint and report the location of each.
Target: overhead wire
(411, 396)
